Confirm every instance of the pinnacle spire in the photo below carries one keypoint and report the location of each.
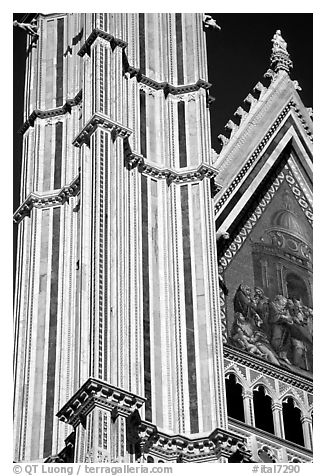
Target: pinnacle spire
(280, 58)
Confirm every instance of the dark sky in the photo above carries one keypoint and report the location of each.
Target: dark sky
(238, 57)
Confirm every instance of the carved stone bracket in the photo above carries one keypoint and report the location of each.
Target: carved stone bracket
(97, 33)
(100, 120)
(47, 199)
(45, 114)
(97, 393)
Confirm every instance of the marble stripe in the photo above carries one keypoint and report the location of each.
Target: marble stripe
(50, 386)
(59, 76)
(191, 351)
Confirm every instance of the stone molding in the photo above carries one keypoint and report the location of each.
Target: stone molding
(46, 199)
(167, 87)
(135, 160)
(239, 134)
(100, 120)
(267, 368)
(173, 176)
(145, 167)
(132, 71)
(45, 114)
(98, 33)
(97, 393)
(185, 449)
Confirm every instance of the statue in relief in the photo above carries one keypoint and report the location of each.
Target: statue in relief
(247, 330)
(278, 42)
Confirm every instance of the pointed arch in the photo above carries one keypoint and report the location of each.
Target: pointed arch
(270, 391)
(234, 399)
(292, 415)
(238, 374)
(263, 409)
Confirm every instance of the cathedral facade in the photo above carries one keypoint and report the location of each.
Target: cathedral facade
(163, 306)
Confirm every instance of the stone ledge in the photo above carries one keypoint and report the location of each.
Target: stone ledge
(98, 33)
(267, 368)
(47, 199)
(45, 114)
(101, 120)
(97, 393)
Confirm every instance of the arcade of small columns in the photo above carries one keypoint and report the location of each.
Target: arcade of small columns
(276, 409)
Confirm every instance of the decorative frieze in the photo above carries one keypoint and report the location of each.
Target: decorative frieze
(47, 199)
(49, 113)
(266, 368)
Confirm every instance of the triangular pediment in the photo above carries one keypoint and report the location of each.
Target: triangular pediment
(277, 129)
(264, 204)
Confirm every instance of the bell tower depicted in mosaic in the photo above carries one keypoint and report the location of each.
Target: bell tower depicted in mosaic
(123, 335)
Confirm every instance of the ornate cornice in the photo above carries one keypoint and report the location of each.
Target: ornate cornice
(135, 160)
(47, 199)
(187, 449)
(267, 368)
(45, 114)
(173, 176)
(97, 33)
(97, 393)
(145, 167)
(100, 120)
(131, 71)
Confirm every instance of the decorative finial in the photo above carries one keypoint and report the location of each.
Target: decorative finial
(280, 59)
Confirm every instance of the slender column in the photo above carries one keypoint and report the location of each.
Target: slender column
(248, 405)
(307, 431)
(278, 419)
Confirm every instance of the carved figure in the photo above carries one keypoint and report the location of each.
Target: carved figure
(30, 28)
(261, 304)
(244, 336)
(279, 44)
(280, 319)
(301, 336)
(247, 329)
(209, 22)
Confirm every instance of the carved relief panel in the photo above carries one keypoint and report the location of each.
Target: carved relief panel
(268, 284)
